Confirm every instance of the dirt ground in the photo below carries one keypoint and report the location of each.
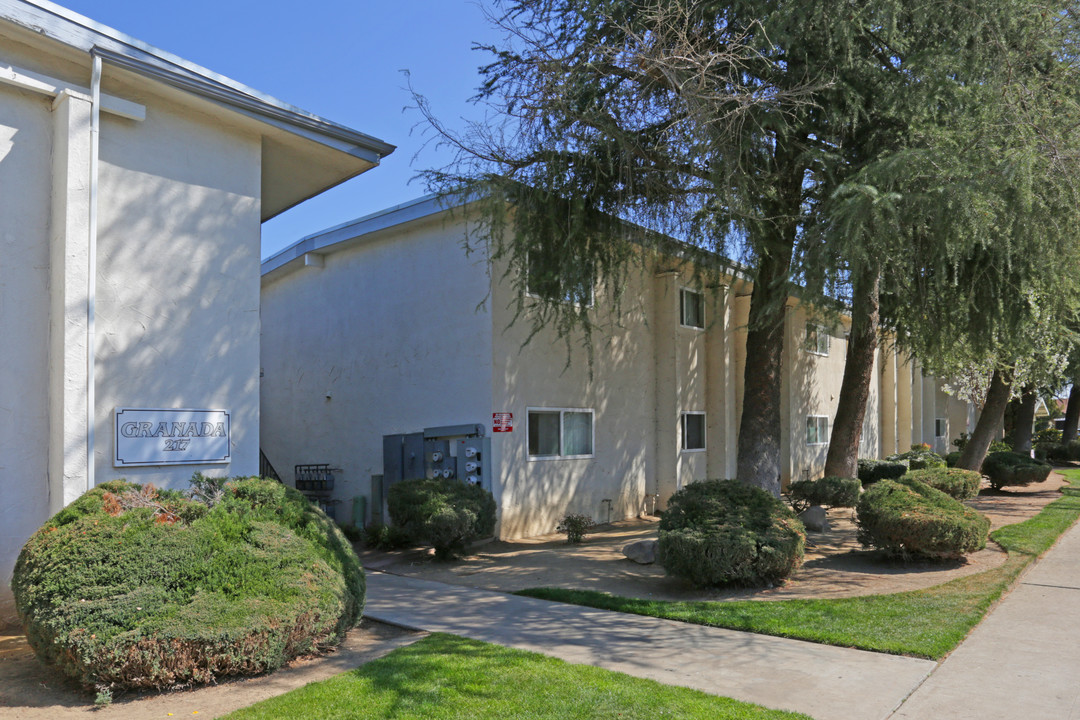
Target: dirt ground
(30, 691)
(835, 565)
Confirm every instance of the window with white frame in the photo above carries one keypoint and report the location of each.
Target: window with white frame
(817, 339)
(817, 430)
(693, 431)
(560, 433)
(941, 427)
(691, 308)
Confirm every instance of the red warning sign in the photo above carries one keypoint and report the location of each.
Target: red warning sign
(502, 422)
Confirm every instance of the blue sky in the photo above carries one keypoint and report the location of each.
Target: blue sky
(340, 60)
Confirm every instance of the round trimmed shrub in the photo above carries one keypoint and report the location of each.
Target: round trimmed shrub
(952, 458)
(132, 587)
(446, 514)
(909, 518)
(919, 457)
(716, 532)
(1009, 468)
(870, 471)
(954, 482)
(828, 491)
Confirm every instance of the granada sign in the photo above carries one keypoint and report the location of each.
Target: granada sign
(158, 436)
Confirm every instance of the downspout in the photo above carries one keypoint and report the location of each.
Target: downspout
(91, 268)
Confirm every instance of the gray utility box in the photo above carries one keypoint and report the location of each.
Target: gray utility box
(449, 452)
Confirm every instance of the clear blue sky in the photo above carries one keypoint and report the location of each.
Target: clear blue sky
(341, 60)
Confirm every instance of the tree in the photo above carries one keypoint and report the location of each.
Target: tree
(988, 157)
(732, 126)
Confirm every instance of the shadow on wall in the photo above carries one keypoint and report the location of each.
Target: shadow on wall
(537, 494)
(177, 310)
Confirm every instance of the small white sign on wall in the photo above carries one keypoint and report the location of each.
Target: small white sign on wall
(159, 436)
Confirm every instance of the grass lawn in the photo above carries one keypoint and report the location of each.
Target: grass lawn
(443, 676)
(925, 623)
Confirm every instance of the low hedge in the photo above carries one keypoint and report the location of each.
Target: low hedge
(827, 491)
(1009, 468)
(446, 514)
(918, 458)
(952, 458)
(132, 587)
(909, 518)
(870, 471)
(717, 532)
(954, 482)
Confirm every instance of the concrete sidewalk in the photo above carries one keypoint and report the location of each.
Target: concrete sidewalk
(1022, 660)
(827, 683)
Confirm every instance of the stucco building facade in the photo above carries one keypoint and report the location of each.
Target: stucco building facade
(386, 325)
(133, 185)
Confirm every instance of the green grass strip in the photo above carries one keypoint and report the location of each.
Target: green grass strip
(925, 623)
(447, 677)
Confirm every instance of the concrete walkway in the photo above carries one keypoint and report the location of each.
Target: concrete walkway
(1022, 661)
(827, 683)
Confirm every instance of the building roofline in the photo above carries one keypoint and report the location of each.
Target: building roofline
(70, 28)
(323, 240)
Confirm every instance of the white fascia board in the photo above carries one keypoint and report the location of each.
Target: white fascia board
(324, 240)
(58, 23)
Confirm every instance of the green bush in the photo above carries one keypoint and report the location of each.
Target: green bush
(386, 537)
(909, 518)
(134, 587)
(1054, 452)
(827, 491)
(716, 532)
(918, 458)
(1000, 446)
(952, 458)
(446, 514)
(870, 471)
(575, 527)
(1009, 468)
(954, 482)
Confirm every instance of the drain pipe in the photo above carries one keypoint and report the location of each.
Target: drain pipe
(91, 269)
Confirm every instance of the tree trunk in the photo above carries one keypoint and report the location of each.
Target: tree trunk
(758, 461)
(759, 430)
(1008, 421)
(1024, 420)
(843, 457)
(1072, 413)
(993, 410)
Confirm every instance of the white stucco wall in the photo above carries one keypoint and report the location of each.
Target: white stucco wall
(177, 283)
(178, 280)
(812, 388)
(25, 187)
(622, 392)
(391, 335)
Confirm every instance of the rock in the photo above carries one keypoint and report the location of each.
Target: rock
(642, 551)
(815, 519)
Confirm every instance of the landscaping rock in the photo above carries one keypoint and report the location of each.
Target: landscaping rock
(642, 552)
(815, 519)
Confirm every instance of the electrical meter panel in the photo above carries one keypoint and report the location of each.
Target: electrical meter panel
(474, 461)
(449, 452)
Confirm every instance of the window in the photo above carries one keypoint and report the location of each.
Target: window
(817, 339)
(693, 431)
(941, 427)
(547, 285)
(555, 433)
(691, 308)
(817, 430)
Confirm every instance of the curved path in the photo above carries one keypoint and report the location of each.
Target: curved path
(1020, 662)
